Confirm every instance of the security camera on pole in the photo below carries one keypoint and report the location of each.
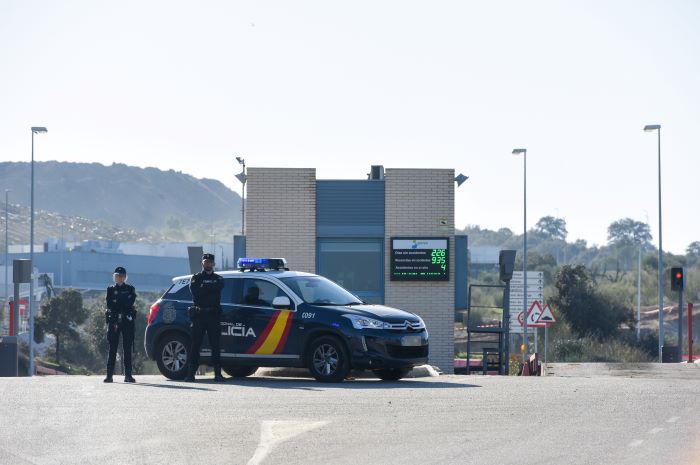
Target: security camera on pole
(506, 265)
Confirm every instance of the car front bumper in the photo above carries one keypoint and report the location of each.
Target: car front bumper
(377, 349)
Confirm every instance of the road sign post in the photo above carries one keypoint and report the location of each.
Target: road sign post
(518, 299)
(547, 317)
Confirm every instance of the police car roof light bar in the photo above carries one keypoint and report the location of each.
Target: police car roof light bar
(262, 264)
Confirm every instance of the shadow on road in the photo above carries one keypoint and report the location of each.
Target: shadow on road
(313, 385)
(171, 386)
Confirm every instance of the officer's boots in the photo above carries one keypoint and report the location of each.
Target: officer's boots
(129, 379)
(217, 375)
(108, 379)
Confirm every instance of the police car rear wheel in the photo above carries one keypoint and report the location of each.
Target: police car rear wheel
(240, 372)
(392, 374)
(327, 360)
(172, 355)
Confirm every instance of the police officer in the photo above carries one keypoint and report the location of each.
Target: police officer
(120, 315)
(205, 315)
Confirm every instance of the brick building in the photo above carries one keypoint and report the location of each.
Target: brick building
(343, 229)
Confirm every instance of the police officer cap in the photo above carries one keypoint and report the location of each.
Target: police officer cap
(208, 256)
(120, 270)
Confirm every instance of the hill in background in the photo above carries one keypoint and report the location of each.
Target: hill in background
(168, 203)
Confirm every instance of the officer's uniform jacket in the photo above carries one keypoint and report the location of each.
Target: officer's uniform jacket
(206, 291)
(120, 301)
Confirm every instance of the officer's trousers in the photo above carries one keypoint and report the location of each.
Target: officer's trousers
(211, 324)
(126, 329)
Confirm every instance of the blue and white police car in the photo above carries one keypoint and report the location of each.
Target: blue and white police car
(273, 317)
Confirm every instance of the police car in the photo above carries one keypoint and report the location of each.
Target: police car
(273, 317)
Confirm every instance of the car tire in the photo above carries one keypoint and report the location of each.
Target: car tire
(172, 354)
(392, 374)
(239, 372)
(327, 359)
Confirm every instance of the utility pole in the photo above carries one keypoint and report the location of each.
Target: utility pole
(7, 254)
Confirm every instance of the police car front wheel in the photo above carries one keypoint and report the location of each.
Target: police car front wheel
(327, 360)
(172, 355)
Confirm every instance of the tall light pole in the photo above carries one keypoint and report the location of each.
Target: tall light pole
(460, 178)
(7, 249)
(525, 309)
(657, 128)
(242, 177)
(35, 130)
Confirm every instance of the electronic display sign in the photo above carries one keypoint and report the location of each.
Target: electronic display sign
(420, 259)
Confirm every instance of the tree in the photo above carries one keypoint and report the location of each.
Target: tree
(538, 262)
(628, 232)
(552, 228)
(693, 248)
(587, 311)
(478, 236)
(61, 316)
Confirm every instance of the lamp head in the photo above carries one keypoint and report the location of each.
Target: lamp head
(38, 130)
(460, 178)
(652, 127)
(242, 177)
(240, 160)
(519, 151)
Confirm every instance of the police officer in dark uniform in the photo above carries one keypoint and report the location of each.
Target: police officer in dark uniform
(120, 315)
(205, 315)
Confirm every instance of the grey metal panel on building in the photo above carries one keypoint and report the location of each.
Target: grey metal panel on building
(461, 271)
(194, 253)
(238, 248)
(349, 208)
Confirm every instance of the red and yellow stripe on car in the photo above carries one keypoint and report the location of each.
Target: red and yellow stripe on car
(274, 336)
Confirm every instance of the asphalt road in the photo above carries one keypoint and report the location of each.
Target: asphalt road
(445, 420)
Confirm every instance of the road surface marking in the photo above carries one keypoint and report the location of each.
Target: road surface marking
(636, 443)
(273, 432)
(673, 419)
(655, 430)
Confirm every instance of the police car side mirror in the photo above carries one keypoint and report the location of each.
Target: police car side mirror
(281, 303)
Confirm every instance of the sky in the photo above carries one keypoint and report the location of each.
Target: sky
(340, 86)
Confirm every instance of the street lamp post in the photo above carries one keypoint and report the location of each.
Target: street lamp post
(242, 177)
(7, 247)
(460, 178)
(657, 128)
(35, 130)
(525, 309)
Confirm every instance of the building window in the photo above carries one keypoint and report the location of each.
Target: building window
(355, 264)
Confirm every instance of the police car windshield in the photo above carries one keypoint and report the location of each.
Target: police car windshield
(317, 290)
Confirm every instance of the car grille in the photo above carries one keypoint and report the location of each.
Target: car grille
(406, 326)
(407, 352)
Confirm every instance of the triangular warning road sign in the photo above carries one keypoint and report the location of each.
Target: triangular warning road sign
(532, 316)
(547, 316)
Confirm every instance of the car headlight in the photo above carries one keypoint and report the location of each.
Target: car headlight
(363, 322)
